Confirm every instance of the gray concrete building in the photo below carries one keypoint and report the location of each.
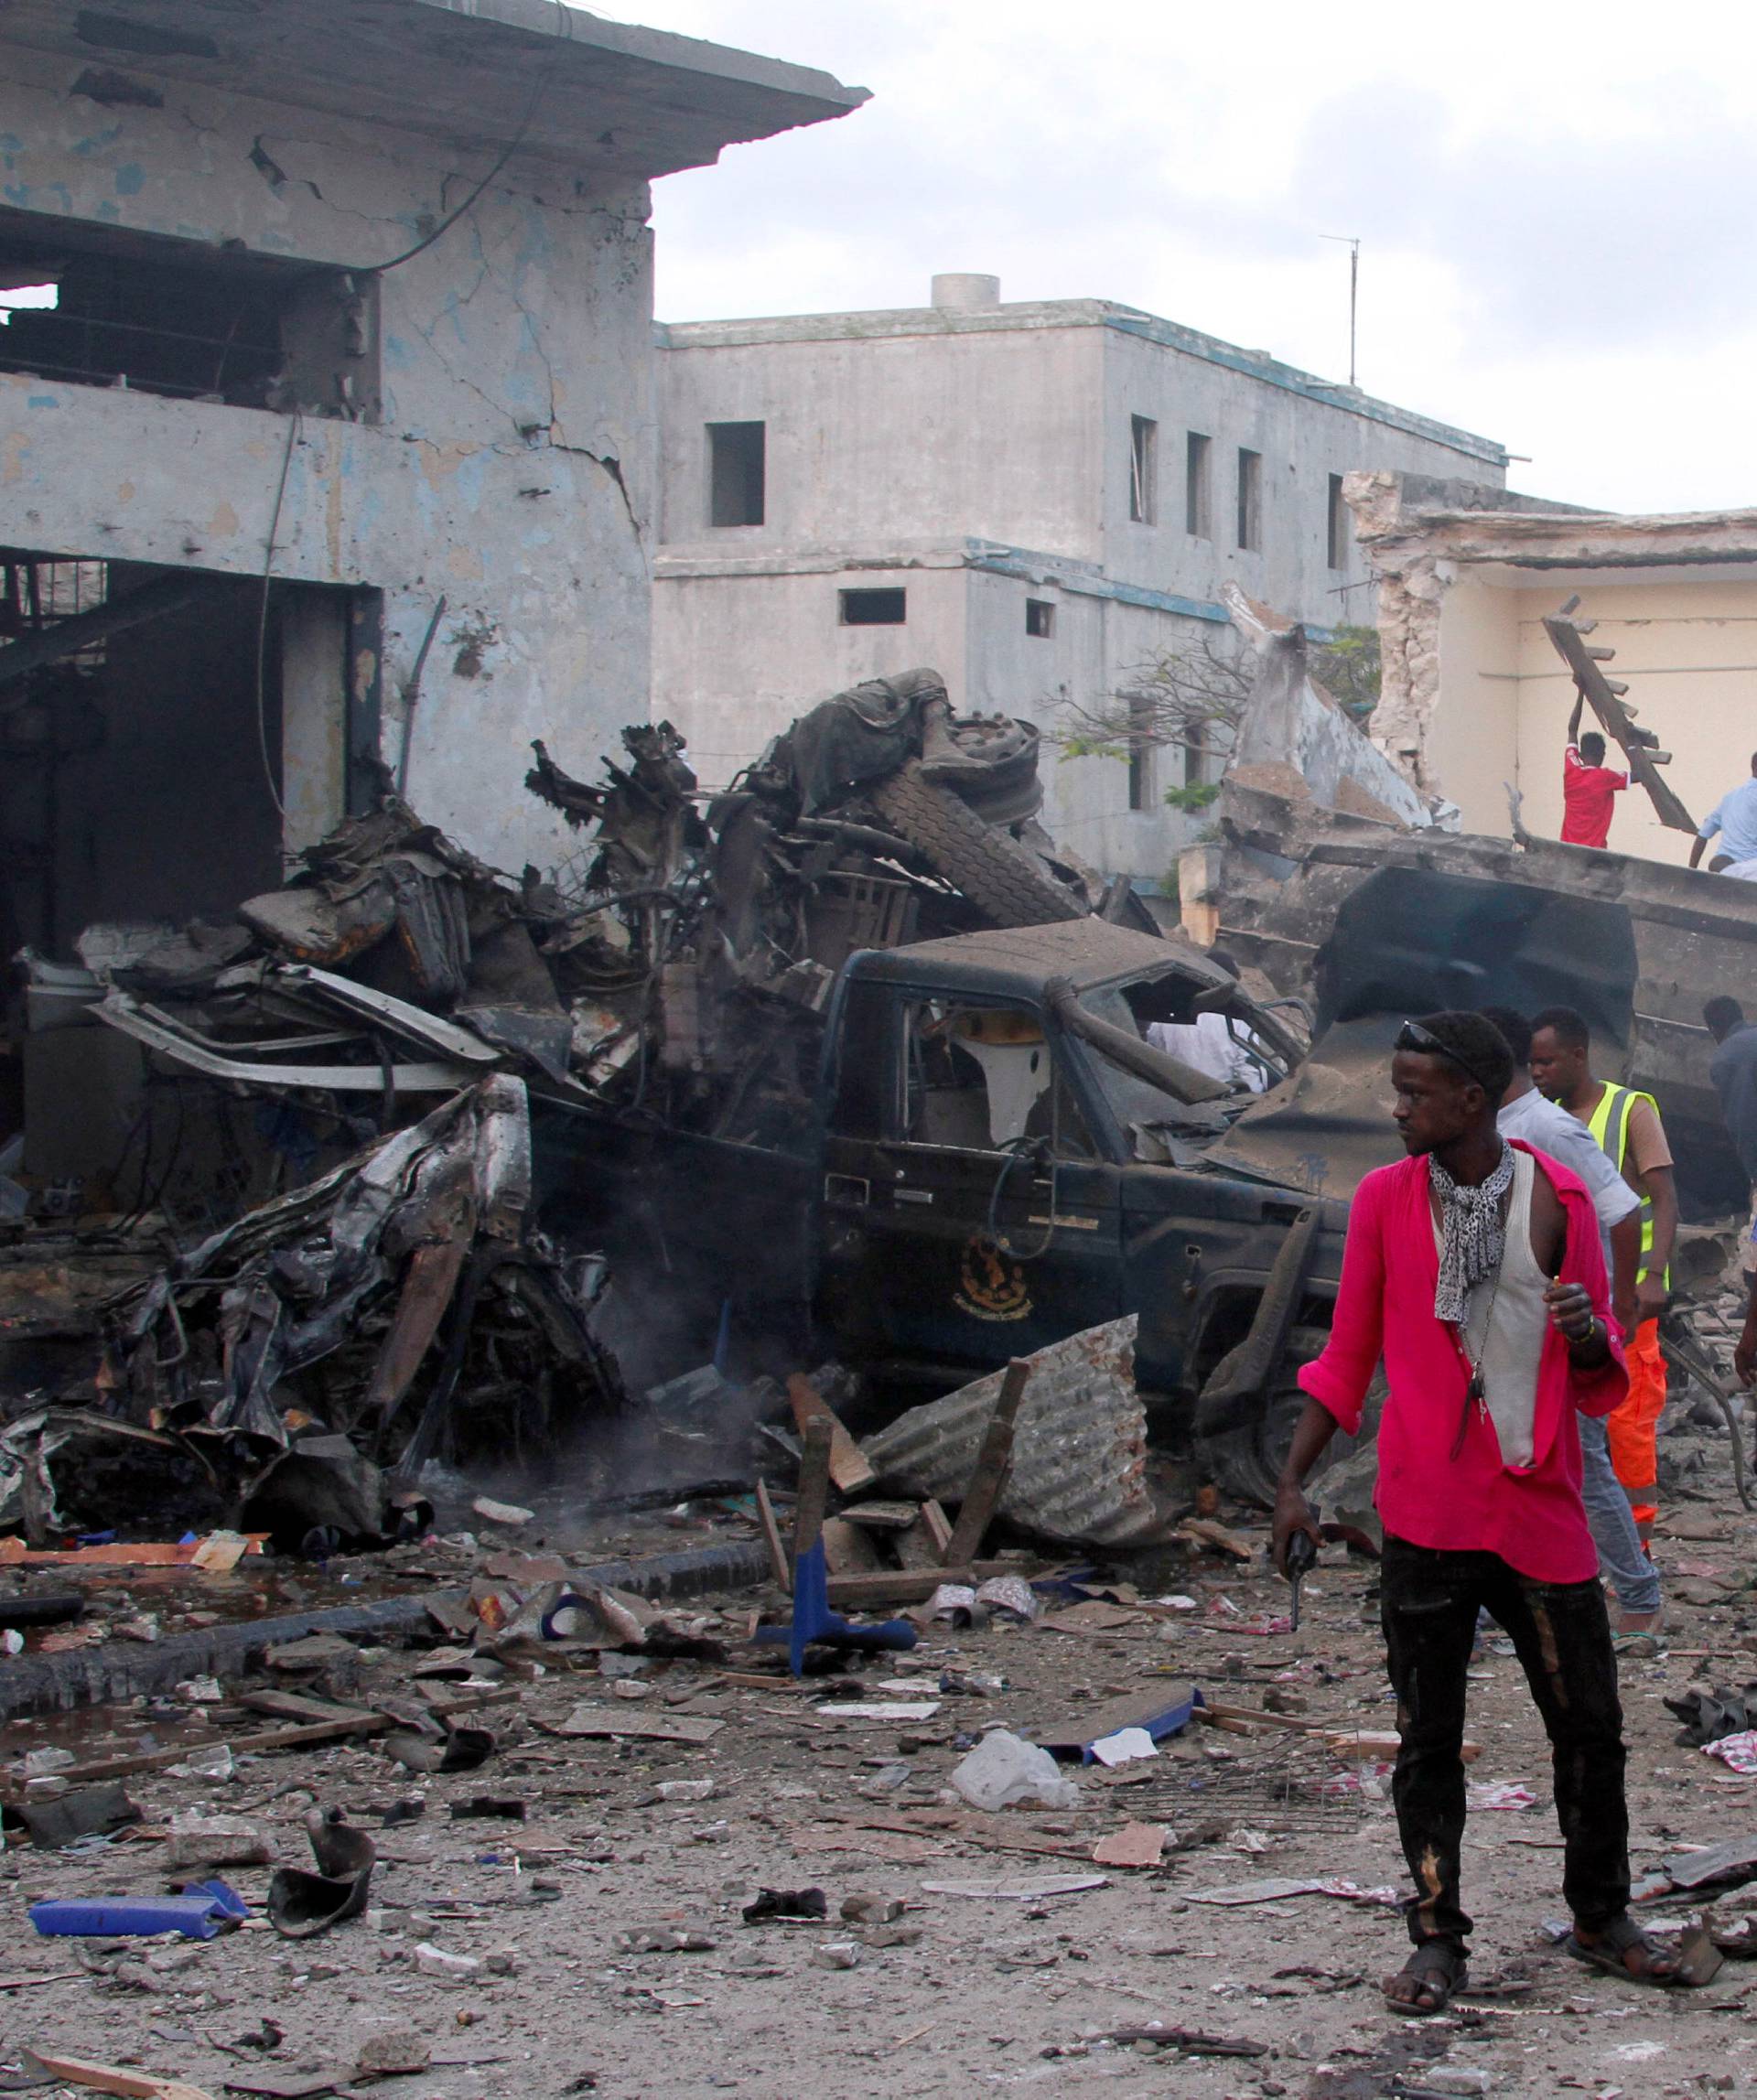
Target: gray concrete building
(326, 422)
(1034, 497)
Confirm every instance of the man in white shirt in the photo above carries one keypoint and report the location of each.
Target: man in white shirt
(1734, 816)
(1546, 1125)
(1208, 1044)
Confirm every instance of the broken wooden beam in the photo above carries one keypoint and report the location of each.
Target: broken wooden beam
(994, 1462)
(849, 1467)
(1602, 695)
(243, 1745)
(778, 1559)
(816, 1462)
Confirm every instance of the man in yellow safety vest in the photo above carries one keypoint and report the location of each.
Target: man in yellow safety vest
(1626, 1124)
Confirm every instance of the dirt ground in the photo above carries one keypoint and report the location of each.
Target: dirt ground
(963, 1991)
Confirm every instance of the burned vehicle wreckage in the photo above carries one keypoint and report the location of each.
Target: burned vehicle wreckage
(848, 1058)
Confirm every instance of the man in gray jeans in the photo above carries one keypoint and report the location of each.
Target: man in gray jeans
(1525, 1112)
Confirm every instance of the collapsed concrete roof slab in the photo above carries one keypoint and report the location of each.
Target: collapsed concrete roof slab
(1459, 522)
(610, 97)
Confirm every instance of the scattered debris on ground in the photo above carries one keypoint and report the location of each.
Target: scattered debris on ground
(658, 1821)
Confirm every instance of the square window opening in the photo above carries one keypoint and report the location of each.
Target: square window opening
(1198, 519)
(1250, 500)
(1143, 468)
(1039, 617)
(737, 471)
(875, 608)
(1336, 526)
(101, 305)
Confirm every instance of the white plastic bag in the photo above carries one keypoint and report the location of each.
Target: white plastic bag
(1004, 1769)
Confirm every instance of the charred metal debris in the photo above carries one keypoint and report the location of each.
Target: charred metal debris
(379, 1293)
(685, 975)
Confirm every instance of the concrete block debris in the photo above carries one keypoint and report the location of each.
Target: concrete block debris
(1135, 1845)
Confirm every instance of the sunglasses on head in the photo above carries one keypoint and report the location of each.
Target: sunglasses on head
(1412, 1035)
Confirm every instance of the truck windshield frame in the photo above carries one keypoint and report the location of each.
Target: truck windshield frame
(1134, 1003)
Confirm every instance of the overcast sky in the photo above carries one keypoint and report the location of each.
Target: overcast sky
(1555, 204)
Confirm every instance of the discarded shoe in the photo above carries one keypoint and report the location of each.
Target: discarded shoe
(301, 1905)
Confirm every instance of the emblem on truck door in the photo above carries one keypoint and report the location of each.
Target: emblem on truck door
(991, 1286)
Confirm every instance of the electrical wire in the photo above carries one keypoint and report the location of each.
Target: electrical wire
(295, 427)
(565, 17)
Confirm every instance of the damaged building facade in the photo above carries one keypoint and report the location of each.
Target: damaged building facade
(1476, 698)
(1038, 498)
(253, 367)
(326, 424)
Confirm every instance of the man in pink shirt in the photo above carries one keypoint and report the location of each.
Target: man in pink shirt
(1473, 1268)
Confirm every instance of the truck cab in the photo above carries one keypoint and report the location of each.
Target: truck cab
(994, 1176)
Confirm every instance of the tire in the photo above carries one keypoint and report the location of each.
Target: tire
(1248, 1462)
(1000, 878)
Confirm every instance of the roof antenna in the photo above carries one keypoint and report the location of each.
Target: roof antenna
(1352, 242)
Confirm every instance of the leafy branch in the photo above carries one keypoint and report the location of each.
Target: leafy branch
(1193, 698)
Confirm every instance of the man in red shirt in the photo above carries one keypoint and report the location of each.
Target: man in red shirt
(1474, 1269)
(1589, 786)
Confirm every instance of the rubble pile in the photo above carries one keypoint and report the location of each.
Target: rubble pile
(295, 1363)
(685, 976)
(398, 1308)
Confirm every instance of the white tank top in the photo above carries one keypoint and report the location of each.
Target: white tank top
(1510, 1351)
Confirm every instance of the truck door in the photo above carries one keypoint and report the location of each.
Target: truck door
(968, 1213)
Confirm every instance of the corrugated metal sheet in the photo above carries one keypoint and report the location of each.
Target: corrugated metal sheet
(1079, 1447)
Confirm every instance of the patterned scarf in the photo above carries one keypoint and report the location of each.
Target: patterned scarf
(1474, 1236)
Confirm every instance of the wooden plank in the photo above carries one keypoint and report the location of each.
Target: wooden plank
(112, 2078)
(815, 1462)
(911, 1585)
(883, 1516)
(245, 1746)
(1205, 1532)
(994, 1462)
(13, 1552)
(848, 1550)
(939, 1525)
(1600, 695)
(778, 1559)
(849, 1466)
(301, 1707)
(1218, 1710)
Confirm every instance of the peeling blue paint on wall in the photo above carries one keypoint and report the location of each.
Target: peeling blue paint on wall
(131, 179)
(42, 401)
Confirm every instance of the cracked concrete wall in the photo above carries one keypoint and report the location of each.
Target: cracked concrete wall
(1411, 588)
(512, 469)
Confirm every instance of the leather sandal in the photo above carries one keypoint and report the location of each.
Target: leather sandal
(1437, 1969)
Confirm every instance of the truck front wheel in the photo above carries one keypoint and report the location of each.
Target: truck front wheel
(1246, 1462)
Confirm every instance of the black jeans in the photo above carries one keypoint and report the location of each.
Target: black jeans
(1429, 1603)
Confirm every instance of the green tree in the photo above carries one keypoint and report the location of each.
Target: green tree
(1192, 697)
